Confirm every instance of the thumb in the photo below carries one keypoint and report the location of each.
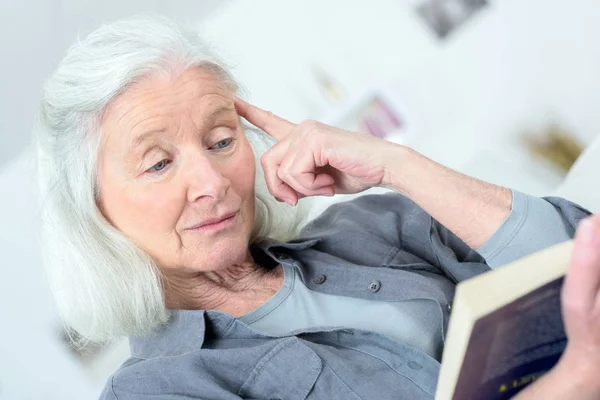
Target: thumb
(583, 278)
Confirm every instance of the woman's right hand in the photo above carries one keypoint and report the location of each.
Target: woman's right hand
(311, 158)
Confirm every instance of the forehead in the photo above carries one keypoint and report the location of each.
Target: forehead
(156, 95)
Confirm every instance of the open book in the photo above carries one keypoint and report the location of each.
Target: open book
(506, 328)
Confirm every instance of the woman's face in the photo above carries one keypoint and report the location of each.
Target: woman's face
(175, 160)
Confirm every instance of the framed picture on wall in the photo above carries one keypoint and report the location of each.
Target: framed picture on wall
(445, 16)
(374, 110)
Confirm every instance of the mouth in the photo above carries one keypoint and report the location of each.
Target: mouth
(215, 224)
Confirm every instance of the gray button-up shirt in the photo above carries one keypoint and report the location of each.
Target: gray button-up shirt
(380, 238)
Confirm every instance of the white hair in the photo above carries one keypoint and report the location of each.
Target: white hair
(105, 286)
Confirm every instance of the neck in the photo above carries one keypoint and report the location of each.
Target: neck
(236, 290)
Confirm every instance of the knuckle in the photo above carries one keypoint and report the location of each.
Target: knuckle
(264, 159)
(310, 125)
(272, 182)
(282, 173)
(312, 139)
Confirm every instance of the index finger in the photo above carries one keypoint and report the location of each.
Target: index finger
(265, 120)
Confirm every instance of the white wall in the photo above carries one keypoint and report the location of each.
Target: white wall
(515, 65)
(518, 64)
(33, 362)
(34, 35)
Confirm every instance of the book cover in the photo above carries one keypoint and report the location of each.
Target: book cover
(513, 346)
(506, 328)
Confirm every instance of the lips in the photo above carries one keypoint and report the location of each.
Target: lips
(213, 221)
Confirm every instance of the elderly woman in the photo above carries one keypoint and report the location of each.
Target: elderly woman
(159, 227)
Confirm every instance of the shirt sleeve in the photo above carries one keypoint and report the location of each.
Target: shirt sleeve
(533, 224)
(367, 227)
(460, 262)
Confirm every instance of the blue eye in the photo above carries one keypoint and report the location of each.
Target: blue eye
(223, 144)
(159, 166)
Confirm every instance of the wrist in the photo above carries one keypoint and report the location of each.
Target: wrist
(396, 161)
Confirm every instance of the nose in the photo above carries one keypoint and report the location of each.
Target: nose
(205, 179)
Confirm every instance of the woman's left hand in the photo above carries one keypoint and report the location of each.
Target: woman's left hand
(576, 374)
(312, 158)
(581, 299)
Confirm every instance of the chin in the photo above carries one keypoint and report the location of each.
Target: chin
(227, 248)
(224, 254)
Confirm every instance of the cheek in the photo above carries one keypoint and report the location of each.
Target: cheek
(165, 198)
(138, 210)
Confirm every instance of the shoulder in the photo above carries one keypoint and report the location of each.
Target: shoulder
(212, 373)
(373, 212)
(373, 229)
(372, 202)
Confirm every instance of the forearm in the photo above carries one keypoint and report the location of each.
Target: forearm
(472, 209)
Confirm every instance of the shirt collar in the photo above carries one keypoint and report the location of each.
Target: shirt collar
(273, 247)
(187, 330)
(184, 331)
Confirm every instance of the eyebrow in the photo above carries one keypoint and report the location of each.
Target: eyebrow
(211, 117)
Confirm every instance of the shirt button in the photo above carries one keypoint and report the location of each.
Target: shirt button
(450, 306)
(414, 365)
(319, 279)
(374, 286)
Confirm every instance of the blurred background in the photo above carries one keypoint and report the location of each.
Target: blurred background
(503, 90)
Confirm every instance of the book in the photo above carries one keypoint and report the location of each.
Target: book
(506, 328)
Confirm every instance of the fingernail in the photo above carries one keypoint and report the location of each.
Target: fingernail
(327, 193)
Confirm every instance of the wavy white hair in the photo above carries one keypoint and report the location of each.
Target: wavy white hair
(105, 286)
